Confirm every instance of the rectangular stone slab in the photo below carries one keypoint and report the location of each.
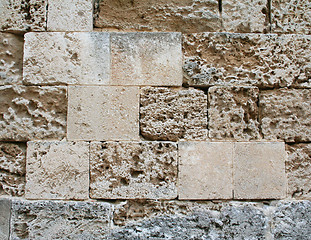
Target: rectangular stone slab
(5, 214)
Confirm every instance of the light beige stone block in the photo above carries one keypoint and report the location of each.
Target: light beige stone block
(205, 170)
(103, 113)
(259, 170)
(57, 170)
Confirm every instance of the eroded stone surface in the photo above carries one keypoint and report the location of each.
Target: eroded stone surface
(172, 114)
(5, 213)
(285, 114)
(233, 113)
(28, 113)
(127, 170)
(57, 170)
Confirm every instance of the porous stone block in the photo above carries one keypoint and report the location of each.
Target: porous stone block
(59, 220)
(263, 60)
(28, 113)
(5, 214)
(66, 58)
(173, 114)
(146, 59)
(11, 58)
(133, 170)
(205, 170)
(233, 113)
(12, 169)
(20, 15)
(70, 15)
(57, 170)
(103, 113)
(285, 114)
(259, 170)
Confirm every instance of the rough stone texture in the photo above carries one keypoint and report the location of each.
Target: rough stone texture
(57, 170)
(133, 170)
(66, 58)
(173, 114)
(11, 58)
(146, 59)
(253, 59)
(12, 169)
(28, 113)
(233, 113)
(205, 170)
(59, 220)
(103, 113)
(20, 15)
(286, 114)
(5, 213)
(259, 170)
(70, 15)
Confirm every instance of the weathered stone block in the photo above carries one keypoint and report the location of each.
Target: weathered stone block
(131, 170)
(103, 113)
(259, 170)
(146, 59)
(12, 169)
(5, 214)
(57, 170)
(11, 58)
(233, 113)
(170, 114)
(28, 113)
(66, 58)
(70, 15)
(285, 114)
(205, 170)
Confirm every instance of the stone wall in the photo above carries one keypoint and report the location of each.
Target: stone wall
(155, 119)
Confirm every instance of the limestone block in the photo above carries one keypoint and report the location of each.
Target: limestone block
(66, 58)
(11, 58)
(12, 169)
(59, 220)
(264, 60)
(233, 113)
(146, 59)
(70, 15)
(172, 114)
(20, 15)
(103, 113)
(28, 113)
(133, 170)
(285, 114)
(57, 170)
(5, 214)
(205, 170)
(259, 170)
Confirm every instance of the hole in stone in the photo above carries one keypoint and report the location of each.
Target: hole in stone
(124, 181)
(136, 173)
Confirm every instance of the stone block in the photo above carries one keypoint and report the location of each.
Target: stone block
(233, 113)
(285, 114)
(173, 114)
(205, 170)
(28, 113)
(57, 170)
(11, 58)
(66, 58)
(133, 170)
(259, 170)
(5, 214)
(103, 113)
(12, 169)
(146, 59)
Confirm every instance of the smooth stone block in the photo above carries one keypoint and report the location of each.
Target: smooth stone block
(5, 214)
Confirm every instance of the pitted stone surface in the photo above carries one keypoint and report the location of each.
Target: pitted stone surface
(66, 58)
(253, 59)
(131, 170)
(5, 213)
(12, 169)
(28, 113)
(59, 220)
(173, 114)
(11, 58)
(285, 114)
(57, 170)
(233, 113)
